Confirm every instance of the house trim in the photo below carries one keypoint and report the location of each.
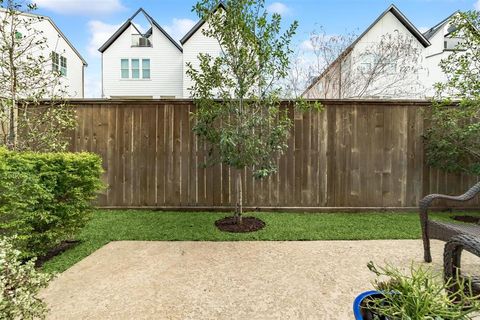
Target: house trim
(58, 30)
(127, 24)
(199, 24)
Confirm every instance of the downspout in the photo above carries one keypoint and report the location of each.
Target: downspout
(340, 81)
(103, 94)
(83, 81)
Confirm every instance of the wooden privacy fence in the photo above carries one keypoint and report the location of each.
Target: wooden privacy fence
(354, 154)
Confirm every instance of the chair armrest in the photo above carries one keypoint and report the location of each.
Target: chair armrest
(425, 203)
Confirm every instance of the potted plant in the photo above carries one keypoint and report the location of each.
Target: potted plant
(421, 294)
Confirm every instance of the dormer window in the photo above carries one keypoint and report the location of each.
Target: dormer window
(139, 40)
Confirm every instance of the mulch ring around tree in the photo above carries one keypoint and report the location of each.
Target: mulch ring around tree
(249, 224)
(61, 248)
(468, 219)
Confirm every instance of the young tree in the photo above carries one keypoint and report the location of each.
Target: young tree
(245, 127)
(28, 77)
(453, 137)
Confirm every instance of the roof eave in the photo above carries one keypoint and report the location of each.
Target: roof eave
(199, 24)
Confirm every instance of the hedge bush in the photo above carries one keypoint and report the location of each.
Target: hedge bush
(20, 284)
(45, 198)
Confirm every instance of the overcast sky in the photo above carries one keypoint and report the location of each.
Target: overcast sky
(89, 23)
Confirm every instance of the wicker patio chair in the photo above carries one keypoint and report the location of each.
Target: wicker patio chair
(444, 230)
(452, 260)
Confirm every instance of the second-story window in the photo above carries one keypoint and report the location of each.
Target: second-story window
(125, 69)
(135, 68)
(59, 63)
(146, 68)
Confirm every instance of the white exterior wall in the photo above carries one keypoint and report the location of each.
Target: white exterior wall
(198, 43)
(434, 54)
(165, 67)
(73, 82)
(389, 24)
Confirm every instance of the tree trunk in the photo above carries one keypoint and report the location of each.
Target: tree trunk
(239, 197)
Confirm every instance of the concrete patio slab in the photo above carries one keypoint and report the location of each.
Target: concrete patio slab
(226, 280)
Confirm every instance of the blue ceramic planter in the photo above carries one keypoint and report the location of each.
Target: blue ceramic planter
(357, 304)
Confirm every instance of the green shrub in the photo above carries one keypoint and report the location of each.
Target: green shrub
(19, 285)
(45, 198)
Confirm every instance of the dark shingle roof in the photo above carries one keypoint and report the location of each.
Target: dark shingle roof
(129, 22)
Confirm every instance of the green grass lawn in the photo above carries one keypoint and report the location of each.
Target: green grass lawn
(107, 226)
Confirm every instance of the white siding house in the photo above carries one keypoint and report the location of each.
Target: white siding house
(125, 60)
(194, 43)
(416, 84)
(67, 59)
(136, 65)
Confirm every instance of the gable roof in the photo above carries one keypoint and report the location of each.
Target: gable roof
(57, 29)
(129, 22)
(433, 30)
(200, 24)
(399, 15)
(403, 19)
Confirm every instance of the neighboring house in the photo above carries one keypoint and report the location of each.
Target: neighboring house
(151, 65)
(65, 58)
(141, 65)
(194, 43)
(407, 74)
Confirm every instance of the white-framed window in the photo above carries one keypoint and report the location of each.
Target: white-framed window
(59, 63)
(135, 68)
(145, 68)
(125, 67)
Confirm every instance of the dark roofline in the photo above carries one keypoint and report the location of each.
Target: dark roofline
(127, 24)
(200, 24)
(433, 30)
(399, 15)
(59, 32)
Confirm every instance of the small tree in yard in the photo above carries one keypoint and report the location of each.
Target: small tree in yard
(245, 127)
(28, 76)
(453, 137)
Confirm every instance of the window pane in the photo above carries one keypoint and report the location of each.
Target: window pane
(146, 68)
(125, 69)
(135, 68)
(55, 62)
(135, 64)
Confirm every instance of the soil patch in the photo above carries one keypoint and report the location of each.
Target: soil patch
(62, 247)
(249, 224)
(468, 219)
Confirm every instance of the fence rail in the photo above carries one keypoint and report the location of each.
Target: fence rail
(354, 154)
